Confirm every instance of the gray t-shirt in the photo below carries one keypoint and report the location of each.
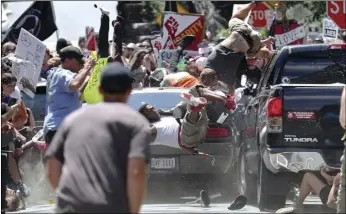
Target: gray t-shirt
(94, 144)
(226, 63)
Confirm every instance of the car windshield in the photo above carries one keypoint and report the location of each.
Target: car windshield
(159, 100)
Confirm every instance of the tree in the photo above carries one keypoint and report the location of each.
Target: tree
(317, 8)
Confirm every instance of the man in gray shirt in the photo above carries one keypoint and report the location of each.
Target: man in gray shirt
(98, 157)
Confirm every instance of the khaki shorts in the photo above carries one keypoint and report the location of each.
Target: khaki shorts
(193, 134)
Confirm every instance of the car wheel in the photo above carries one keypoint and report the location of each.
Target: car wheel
(265, 200)
(246, 183)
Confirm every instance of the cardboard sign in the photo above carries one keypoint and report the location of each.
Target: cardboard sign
(167, 54)
(32, 51)
(176, 26)
(290, 37)
(91, 92)
(330, 29)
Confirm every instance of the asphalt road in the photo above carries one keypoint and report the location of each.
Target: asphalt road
(312, 205)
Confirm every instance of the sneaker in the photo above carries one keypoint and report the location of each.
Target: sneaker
(238, 203)
(192, 100)
(205, 198)
(24, 190)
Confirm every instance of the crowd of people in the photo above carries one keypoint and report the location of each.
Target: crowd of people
(96, 156)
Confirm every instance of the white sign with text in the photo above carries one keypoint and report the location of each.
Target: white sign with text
(32, 51)
(330, 29)
(289, 37)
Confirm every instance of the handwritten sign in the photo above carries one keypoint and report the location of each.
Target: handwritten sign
(91, 91)
(330, 29)
(168, 54)
(32, 51)
(290, 37)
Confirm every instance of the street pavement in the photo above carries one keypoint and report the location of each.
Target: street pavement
(313, 205)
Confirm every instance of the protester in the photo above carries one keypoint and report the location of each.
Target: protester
(7, 48)
(282, 24)
(111, 177)
(225, 59)
(62, 88)
(136, 67)
(60, 44)
(341, 195)
(324, 185)
(128, 51)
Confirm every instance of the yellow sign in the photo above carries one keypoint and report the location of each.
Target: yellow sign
(91, 92)
(180, 9)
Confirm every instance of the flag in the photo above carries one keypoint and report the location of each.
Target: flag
(38, 19)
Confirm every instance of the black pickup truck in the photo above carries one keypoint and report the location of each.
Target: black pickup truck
(290, 121)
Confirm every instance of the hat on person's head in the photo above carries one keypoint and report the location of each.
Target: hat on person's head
(131, 46)
(71, 52)
(250, 36)
(116, 78)
(60, 44)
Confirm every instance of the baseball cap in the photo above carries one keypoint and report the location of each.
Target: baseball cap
(252, 37)
(72, 52)
(131, 46)
(116, 78)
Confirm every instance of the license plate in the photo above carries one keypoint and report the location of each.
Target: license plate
(163, 163)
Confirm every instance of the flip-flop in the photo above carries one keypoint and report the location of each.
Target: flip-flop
(238, 203)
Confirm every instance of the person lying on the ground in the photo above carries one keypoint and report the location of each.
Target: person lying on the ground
(317, 184)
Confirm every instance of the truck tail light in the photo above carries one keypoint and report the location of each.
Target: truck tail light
(217, 132)
(274, 115)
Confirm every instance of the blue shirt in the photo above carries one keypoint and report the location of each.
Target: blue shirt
(61, 100)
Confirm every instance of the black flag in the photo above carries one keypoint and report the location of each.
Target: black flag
(38, 19)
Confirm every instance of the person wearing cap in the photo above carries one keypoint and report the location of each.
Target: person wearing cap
(243, 41)
(62, 88)
(341, 194)
(128, 51)
(104, 161)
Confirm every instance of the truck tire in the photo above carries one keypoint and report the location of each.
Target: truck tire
(266, 180)
(246, 183)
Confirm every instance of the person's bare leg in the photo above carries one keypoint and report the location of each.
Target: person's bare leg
(13, 169)
(310, 183)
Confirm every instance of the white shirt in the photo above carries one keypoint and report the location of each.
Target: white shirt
(167, 132)
(16, 94)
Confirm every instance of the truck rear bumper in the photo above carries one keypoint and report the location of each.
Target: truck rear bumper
(293, 160)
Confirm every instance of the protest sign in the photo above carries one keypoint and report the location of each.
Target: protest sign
(290, 36)
(31, 51)
(330, 29)
(167, 54)
(176, 26)
(157, 46)
(91, 92)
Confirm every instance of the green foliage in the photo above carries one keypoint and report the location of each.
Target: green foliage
(318, 8)
(151, 9)
(223, 33)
